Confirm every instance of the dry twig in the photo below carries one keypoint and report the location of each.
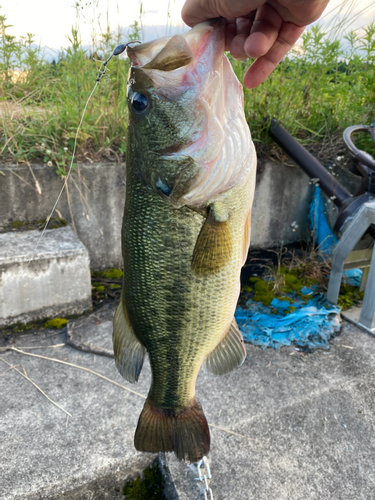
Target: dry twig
(10, 348)
(80, 368)
(8, 370)
(112, 382)
(228, 431)
(35, 385)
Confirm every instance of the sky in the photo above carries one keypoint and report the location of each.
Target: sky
(50, 21)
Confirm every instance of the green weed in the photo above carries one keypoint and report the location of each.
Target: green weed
(56, 323)
(322, 86)
(149, 487)
(319, 89)
(41, 108)
(349, 296)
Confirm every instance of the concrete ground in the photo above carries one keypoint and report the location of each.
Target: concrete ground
(285, 426)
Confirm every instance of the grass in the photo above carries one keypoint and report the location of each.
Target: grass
(60, 89)
(320, 88)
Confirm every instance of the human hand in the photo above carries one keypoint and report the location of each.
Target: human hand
(260, 29)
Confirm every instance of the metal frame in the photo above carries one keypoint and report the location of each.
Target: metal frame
(344, 257)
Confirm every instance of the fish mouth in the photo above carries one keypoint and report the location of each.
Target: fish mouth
(199, 50)
(192, 69)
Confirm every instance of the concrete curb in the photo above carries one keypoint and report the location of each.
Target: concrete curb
(43, 278)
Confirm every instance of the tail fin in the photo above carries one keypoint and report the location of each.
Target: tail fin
(185, 433)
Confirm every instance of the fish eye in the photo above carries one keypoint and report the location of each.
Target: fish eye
(139, 102)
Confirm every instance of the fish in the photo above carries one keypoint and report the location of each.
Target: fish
(190, 180)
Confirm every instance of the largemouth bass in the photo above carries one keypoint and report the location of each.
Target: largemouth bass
(186, 231)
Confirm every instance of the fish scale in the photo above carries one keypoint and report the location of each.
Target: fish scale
(159, 274)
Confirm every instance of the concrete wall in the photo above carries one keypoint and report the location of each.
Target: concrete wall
(96, 197)
(282, 196)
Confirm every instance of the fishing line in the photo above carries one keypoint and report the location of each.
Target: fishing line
(102, 73)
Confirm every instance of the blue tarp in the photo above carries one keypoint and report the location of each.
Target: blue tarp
(314, 322)
(324, 237)
(310, 327)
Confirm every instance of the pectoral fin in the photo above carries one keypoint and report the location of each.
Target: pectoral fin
(129, 352)
(228, 355)
(213, 248)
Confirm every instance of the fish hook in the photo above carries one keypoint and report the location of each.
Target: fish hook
(117, 51)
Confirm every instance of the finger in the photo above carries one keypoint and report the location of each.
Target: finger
(264, 65)
(250, 15)
(301, 13)
(244, 25)
(237, 47)
(196, 11)
(230, 33)
(264, 32)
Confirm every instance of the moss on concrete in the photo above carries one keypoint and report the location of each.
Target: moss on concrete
(21, 327)
(56, 323)
(285, 281)
(20, 225)
(112, 274)
(106, 285)
(349, 296)
(150, 486)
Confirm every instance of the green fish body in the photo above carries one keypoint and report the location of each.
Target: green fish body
(186, 232)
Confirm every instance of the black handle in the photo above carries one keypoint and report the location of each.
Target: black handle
(360, 156)
(329, 185)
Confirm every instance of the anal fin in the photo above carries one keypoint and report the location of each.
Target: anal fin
(129, 352)
(213, 248)
(228, 355)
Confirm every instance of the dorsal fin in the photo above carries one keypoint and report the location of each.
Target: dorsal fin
(175, 54)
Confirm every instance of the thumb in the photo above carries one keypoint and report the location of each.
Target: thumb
(196, 11)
